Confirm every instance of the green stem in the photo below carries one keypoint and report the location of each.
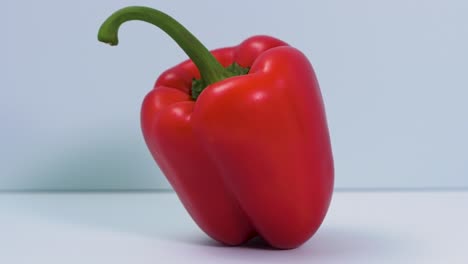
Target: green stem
(210, 69)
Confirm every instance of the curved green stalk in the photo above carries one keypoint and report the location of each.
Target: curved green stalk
(210, 69)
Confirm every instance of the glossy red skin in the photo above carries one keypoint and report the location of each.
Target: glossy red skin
(252, 155)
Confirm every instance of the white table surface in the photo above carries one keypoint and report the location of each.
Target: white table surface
(361, 227)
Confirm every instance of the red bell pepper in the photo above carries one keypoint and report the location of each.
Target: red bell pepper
(241, 135)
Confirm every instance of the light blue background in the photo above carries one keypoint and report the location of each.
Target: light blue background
(393, 77)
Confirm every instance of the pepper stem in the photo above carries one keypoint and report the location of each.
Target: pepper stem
(210, 69)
